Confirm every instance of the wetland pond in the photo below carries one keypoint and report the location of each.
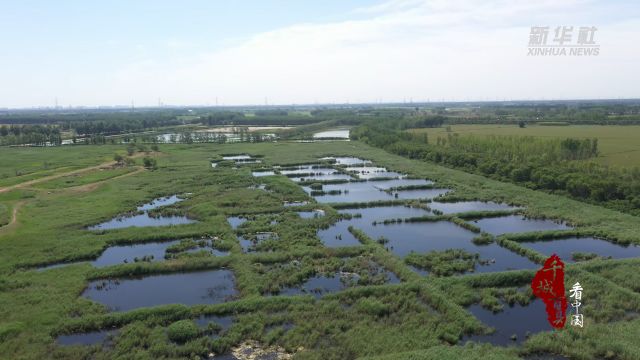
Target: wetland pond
(422, 237)
(261, 173)
(565, 247)
(515, 320)
(236, 221)
(517, 224)
(314, 172)
(467, 206)
(144, 219)
(221, 322)
(320, 285)
(249, 243)
(366, 191)
(115, 255)
(338, 235)
(89, 338)
(347, 160)
(313, 214)
(241, 159)
(203, 287)
(332, 134)
(370, 172)
(295, 203)
(147, 252)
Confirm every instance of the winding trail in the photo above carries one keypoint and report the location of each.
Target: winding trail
(94, 185)
(74, 172)
(80, 188)
(14, 217)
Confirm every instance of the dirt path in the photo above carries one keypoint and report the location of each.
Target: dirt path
(92, 186)
(80, 188)
(56, 176)
(14, 217)
(76, 189)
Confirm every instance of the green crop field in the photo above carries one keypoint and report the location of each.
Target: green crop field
(417, 317)
(618, 145)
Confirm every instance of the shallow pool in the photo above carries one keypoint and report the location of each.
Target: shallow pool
(466, 206)
(120, 254)
(516, 224)
(517, 320)
(564, 248)
(205, 287)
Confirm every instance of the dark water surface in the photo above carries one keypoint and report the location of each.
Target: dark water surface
(422, 237)
(373, 191)
(322, 177)
(205, 287)
(159, 202)
(310, 214)
(348, 160)
(90, 338)
(465, 206)
(236, 221)
(115, 255)
(369, 172)
(517, 224)
(516, 320)
(144, 220)
(324, 284)
(565, 247)
(338, 235)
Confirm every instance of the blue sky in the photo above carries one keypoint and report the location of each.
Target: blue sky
(192, 52)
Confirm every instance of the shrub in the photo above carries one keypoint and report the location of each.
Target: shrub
(150, 163)
(182, 331)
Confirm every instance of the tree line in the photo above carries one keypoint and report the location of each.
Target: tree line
(38, 135)
(558, 166)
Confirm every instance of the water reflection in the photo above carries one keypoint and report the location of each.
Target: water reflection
(347, 160)
(144, 219)
(206, 287)
(370, 172)
(517, 223)
(367, 191)
(422, 237)
(466, 206)
(311, 214)
(515, 320)
(90, 338)
(236, 221)
(263, 173)
(320, 285)
(332, 134)
(131, 253)
(564, 248)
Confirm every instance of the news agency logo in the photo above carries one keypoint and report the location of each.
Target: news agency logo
(562, 43)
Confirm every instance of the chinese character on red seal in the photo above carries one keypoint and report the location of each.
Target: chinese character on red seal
(548, 285)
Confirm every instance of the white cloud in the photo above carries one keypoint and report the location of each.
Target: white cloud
(455, 49)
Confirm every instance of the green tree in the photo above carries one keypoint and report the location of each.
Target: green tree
(150, 163)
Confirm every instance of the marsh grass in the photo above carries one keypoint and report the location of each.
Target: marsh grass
(421, 316)
(444, 263)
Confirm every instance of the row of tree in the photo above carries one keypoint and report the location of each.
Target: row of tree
(552, 165)
(37, 135)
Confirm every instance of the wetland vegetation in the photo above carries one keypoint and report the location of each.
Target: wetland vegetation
(331, 249)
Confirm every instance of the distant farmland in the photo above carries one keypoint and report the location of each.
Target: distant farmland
(619, 145)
